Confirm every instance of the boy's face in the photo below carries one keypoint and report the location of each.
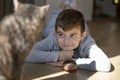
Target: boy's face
(69, 40)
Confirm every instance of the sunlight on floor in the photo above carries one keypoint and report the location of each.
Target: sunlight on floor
(2, 77)
(115, 60)
(51, 75)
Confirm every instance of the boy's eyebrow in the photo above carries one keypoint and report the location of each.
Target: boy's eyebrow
(75, 33)
(72, 33)
(59, 32)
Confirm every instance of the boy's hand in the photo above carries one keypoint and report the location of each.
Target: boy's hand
(68, 65)
(65, 55)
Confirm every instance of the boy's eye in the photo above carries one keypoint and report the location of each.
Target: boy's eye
(61, 35)
(73, 36)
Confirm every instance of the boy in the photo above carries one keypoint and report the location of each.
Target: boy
(70, 40)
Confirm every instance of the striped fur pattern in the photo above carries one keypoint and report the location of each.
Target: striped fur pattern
(18, 33)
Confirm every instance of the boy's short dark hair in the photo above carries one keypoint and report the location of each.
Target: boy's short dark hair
(69, 19)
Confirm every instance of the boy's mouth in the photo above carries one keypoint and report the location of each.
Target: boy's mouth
(67, 47)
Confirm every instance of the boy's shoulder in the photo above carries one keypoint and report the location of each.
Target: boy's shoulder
(47, 43)
(51, 36)
(50, 39)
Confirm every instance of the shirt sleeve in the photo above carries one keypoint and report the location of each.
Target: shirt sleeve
(42, 52)
(97, 60)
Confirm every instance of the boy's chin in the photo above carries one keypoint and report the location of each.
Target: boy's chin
(67, 49)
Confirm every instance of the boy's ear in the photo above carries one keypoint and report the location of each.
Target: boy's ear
(83, 35)
(16, 4)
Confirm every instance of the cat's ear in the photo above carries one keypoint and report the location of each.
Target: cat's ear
(16, 4)
(44, 9)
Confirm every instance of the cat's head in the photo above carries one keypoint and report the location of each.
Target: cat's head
(35, 14)
(29, 9)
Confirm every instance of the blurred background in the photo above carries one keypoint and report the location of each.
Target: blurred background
(92, 9)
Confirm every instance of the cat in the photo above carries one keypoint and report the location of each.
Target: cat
(18, 33)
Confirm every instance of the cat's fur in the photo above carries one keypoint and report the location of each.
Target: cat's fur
(17, 35)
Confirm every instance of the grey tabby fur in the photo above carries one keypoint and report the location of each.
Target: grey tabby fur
(18, 33)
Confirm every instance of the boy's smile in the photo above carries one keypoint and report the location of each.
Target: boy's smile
(69, 40)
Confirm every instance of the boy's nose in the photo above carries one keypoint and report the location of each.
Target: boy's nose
(66, 40)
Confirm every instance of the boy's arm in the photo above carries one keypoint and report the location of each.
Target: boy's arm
(37, 56)
(42, 52)
(97, 60)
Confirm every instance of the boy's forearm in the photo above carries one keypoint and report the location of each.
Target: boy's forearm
(37, 56)
(97, 60)
(100, 63)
